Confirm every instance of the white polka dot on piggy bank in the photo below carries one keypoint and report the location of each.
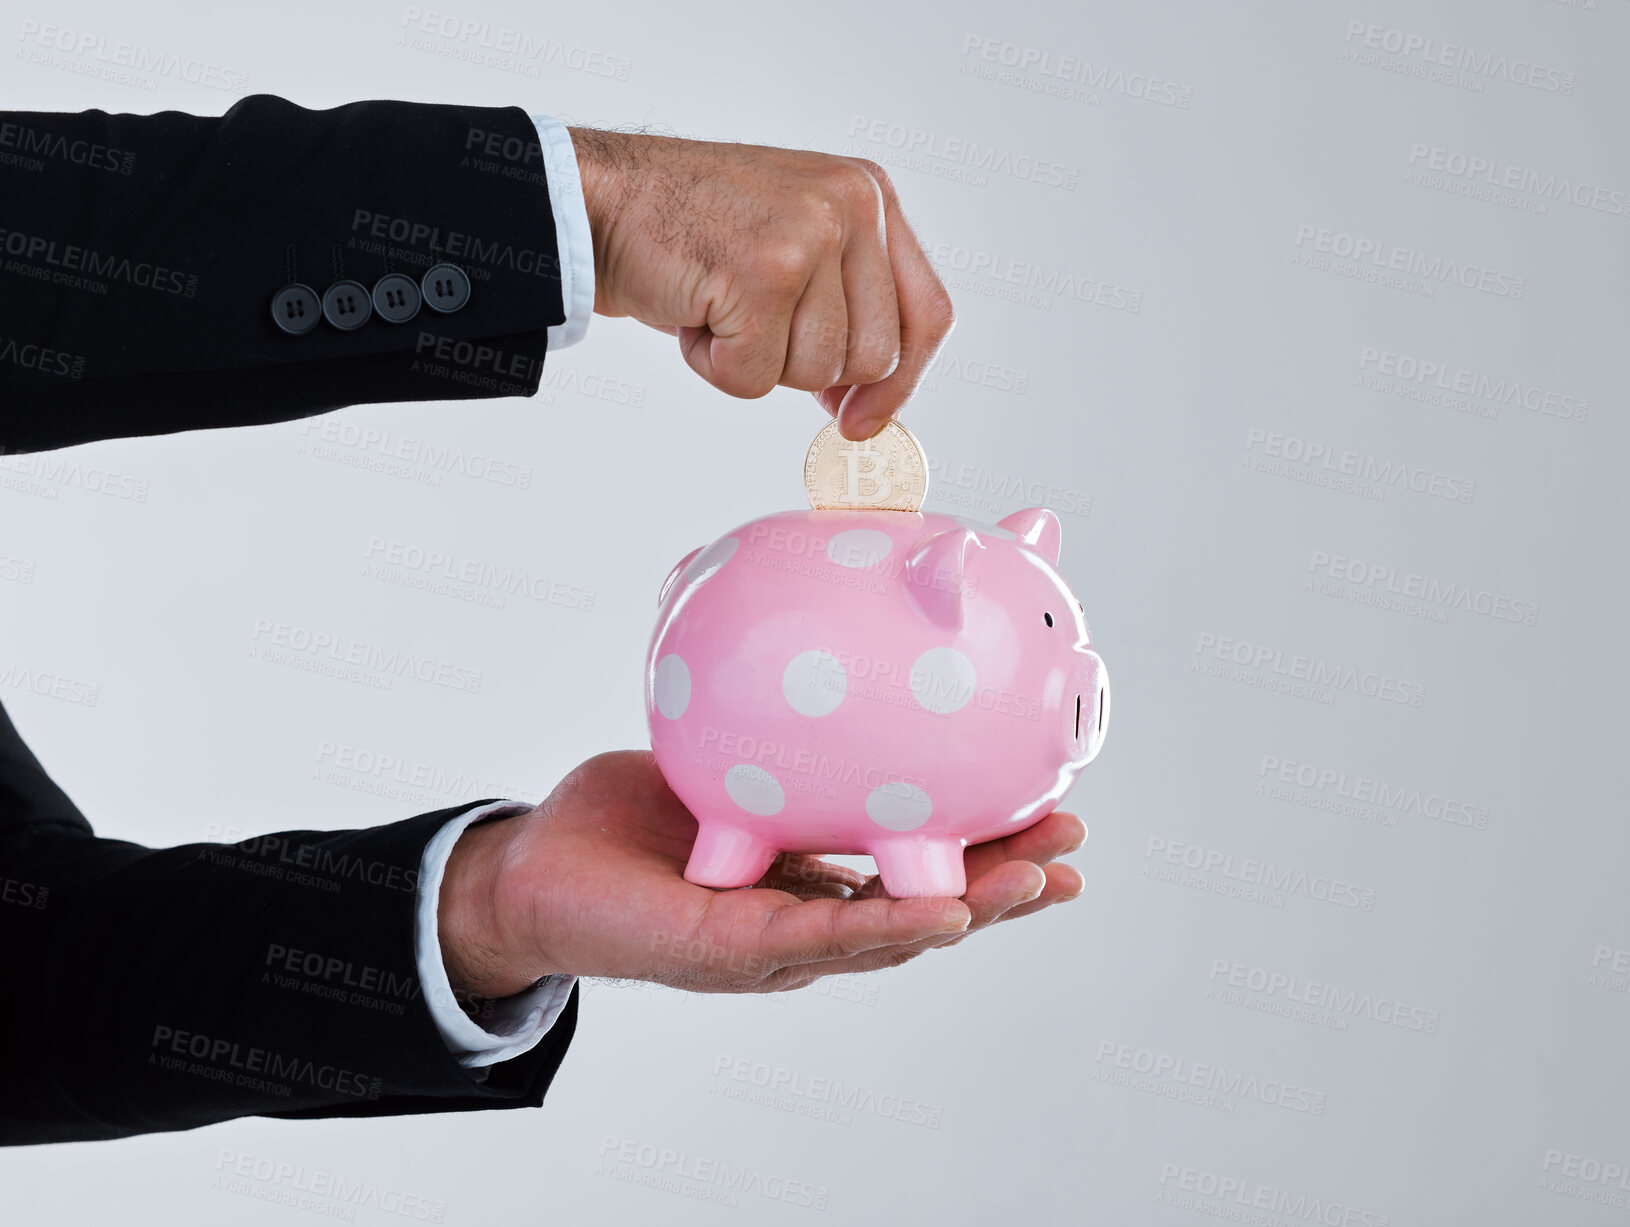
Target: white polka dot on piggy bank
(898, 684)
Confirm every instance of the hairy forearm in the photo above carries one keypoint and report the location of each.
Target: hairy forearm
(607, 166)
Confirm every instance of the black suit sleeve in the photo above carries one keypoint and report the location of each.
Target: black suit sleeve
(140, 256)
(161, 989)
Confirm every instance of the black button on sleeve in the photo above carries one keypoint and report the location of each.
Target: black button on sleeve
(446, 288)
(346, 305)
(396, 298)
(295, 309)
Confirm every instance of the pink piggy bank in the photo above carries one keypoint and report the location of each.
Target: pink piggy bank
(894, 683)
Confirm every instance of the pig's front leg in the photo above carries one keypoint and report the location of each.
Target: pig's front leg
(917, 866)
(726, 855)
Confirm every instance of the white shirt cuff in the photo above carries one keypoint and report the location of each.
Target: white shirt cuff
(516, 1023)
(572, 237)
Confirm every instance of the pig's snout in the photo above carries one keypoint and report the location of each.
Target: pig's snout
(1091, 714)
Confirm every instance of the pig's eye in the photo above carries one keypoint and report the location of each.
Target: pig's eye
(1049, 618)
(1081, 607)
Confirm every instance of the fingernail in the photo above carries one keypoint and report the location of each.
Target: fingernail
(865, 428)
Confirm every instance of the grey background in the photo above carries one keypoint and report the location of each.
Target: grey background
(1267, 118)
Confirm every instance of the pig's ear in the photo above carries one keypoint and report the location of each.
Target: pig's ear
(667, 584)
(936, 577)
(1038, 528)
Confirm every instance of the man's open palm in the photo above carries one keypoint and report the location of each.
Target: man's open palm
(591, 883)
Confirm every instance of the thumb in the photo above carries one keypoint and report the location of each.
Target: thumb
(741, 350)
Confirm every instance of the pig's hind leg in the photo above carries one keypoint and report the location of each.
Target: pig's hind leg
(725, 856)
(913, 868)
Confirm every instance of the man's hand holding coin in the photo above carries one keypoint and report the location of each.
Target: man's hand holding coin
(773, 267)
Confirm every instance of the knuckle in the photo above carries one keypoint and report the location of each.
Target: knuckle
(782, 266)
(822, 223)
(821, 342)
(815, 361)
(862, 371)
(939, 311)
(863, 183)
(873, 170)
(873, 357)
(812, 379)
(828, 374)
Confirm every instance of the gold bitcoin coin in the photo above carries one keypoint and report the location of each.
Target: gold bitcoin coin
(887, 472)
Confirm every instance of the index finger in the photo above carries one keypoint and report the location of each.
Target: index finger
(926, 319)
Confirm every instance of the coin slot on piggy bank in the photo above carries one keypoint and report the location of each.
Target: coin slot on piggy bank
(896, 683)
